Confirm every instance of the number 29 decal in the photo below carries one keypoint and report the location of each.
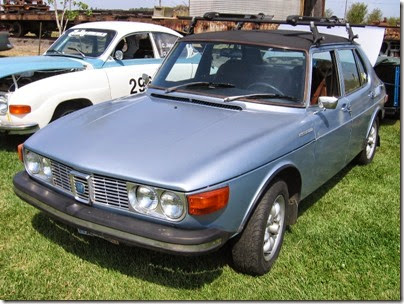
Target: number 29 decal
(138, 86)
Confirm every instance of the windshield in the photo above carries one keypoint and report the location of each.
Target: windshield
(82, 43)
(235, 71)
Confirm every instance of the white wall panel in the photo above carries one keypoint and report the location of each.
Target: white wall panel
(279, 8)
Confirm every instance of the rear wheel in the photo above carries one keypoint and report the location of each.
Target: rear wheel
(255, 251)
(367, 154)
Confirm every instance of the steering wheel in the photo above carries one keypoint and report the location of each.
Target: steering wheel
(265, 85)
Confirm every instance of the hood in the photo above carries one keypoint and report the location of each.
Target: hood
(18, 65)
(169, 144)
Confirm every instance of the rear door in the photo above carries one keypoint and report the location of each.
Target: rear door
(357, 91)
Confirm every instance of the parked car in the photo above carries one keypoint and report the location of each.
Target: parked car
(235, 130)
(5, 43)
(90, 63)
(388, 70)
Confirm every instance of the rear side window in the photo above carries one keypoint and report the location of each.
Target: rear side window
(164, 43)
(350, 71)
(363, 76)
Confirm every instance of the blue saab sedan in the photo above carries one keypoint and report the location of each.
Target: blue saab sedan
(235, 130)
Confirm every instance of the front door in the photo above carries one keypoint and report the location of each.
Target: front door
(332, 126)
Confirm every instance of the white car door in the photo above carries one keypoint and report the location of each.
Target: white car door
(139, 57)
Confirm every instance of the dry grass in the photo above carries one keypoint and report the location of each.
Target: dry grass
(26, 47)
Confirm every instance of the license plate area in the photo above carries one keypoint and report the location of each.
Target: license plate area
(88, 233)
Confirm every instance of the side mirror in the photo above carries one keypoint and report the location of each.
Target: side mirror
(327, 102)
(118, 55)
(146, 78)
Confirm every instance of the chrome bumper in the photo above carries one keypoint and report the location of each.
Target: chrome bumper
(27, 128)
(112, 226)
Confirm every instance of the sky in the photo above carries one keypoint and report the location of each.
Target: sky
(390, 8)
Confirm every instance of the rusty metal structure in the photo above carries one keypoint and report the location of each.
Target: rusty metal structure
(24, 5)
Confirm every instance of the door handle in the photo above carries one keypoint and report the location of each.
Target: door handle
(346, 108)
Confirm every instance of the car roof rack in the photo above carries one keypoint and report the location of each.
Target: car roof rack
(241, 19)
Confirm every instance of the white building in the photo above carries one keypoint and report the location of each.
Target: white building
(279, 8)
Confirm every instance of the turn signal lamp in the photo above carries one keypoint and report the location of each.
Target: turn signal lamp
(19, 148)
(19, 109)
(208, 202)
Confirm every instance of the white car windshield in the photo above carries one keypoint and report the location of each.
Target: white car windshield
(82, 43)
(235, 71)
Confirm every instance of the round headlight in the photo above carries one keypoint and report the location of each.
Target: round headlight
(3, 107)
(172, 205)
(146, 198)
(32, 162)
(46, 168)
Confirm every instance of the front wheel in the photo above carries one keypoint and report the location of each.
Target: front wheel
(367, 154)
(255, 251)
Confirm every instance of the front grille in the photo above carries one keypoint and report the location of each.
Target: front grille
(105, 190)
(84, 195)
(61, 175)
(109, 191)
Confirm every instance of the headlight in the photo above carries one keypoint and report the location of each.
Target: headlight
(37, 165)
(3, 105)
(32, 162)
(172, 205)
(156, 202)
(143, 198)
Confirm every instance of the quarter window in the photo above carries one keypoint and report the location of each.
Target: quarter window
(349, 70)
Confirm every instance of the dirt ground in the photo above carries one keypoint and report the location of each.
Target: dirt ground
(27, 46)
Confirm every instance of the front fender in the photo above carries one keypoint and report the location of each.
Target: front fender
(45, 95)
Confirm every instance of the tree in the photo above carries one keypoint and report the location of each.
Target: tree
(356, 13)
(375, 16)
(328, 13)
(64, 12)
(393, 21)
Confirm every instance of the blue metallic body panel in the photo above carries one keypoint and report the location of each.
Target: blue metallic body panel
(18, 65)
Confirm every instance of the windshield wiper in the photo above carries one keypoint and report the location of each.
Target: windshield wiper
(259, 96)
(202, 84)
(77, 50)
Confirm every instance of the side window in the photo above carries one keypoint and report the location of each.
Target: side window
(136, 46)
(324, 81)
(349, 71)
(164, 43)
(363, 76)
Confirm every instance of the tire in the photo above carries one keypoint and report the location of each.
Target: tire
(63, 111)
(252, 252)
(369, 151)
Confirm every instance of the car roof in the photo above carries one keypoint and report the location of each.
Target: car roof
(281, 38)
(126, 27)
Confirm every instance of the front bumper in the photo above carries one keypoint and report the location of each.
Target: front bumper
(27, 128)
(114, 226)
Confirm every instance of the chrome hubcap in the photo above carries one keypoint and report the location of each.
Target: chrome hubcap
(371, 142)
(274, 227)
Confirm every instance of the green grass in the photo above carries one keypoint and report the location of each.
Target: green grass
(345, 245)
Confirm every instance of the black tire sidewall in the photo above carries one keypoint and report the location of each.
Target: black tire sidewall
(363, 159)
(247, 251)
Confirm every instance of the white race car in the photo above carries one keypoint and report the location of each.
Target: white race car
(90, 63)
